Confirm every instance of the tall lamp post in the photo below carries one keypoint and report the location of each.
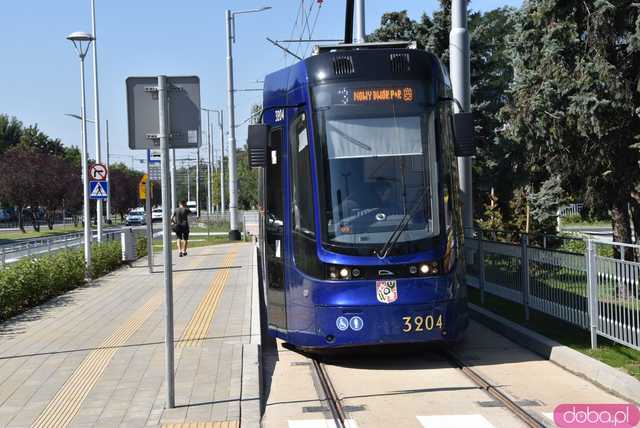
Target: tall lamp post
(234, 233)
(97, 112)
(81, 42)
(108, 177)
(209, 172)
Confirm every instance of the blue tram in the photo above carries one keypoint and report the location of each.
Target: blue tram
(361, 228)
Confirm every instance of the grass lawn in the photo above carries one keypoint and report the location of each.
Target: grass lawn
(212, 228)
(611, 353)
(194, 242)
(6, 237)
(599, 223)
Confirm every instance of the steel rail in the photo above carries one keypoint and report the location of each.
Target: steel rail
(494, 392)
(331, 396)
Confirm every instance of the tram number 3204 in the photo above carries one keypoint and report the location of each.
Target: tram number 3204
(420, 323)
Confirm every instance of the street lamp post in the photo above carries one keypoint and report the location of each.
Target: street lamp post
(220, 124)
(97, 112)
(78, 39)
(108, 178)
(208, 160)
(198, 180)
(234, 233)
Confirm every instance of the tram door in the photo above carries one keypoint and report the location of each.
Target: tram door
(274, 228)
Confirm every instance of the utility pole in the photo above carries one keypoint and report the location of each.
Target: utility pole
(108, 179)
(97, 110)
(198, 179)
(211, 169)
(221, 161)
(360, 30)
(234, 233)
(188, 184)
(461, 83)
(209, 175)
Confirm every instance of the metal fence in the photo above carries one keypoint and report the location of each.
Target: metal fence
(596, 290)
(37, 247)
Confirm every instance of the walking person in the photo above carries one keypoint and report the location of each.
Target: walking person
(180, 220)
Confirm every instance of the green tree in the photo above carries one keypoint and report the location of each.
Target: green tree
(247, 182)
(574, 100)
(492, 218)
(33, 138)
(10, 132)
(124, 188)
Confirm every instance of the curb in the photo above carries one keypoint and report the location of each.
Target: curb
(251, 358)
(613, 380)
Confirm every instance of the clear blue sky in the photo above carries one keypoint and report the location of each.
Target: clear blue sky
(39, 76)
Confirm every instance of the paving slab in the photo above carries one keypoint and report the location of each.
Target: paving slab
(95, 356)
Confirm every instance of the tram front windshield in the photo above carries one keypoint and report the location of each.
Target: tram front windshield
(378, 161)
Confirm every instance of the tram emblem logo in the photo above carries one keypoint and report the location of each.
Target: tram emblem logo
(386, 291)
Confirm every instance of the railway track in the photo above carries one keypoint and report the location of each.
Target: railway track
(341, 420)
(494, 392)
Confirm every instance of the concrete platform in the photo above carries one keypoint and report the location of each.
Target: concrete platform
(95, 356)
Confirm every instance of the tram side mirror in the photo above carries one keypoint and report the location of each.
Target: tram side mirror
(257, 144)
(463, 131)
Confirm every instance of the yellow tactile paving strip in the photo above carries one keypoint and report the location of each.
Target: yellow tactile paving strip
(216, 424)
(196, 330)
(66, 403)
(69, 398)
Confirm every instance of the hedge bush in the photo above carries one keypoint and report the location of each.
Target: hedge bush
(29, 282)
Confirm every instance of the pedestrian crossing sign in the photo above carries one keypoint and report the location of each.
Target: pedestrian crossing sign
(98, 190)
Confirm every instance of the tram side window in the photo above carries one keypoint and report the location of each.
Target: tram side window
(302, 217)
(302, 196)
(274, 181)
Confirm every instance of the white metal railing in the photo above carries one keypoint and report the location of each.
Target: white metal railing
(573, 209)
(598, 290)
(37, 247)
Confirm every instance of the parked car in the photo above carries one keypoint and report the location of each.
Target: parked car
(135, 217)
(156, 214)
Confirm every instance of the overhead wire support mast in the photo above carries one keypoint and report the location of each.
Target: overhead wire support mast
(283, 48)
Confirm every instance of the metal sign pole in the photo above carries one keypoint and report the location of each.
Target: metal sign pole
(166, 240)
(149, 215)
(174, 192)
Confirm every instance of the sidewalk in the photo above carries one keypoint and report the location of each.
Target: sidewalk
(95, 356)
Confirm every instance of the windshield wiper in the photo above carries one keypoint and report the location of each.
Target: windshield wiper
(393, 238)
(348, 138)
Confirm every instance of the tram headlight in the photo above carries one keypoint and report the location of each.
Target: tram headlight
(425, 268)
(413, 270)
(337, 272)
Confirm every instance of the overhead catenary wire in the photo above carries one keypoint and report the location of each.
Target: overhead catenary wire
(293, 29)
(313, 27)
(305, 26)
